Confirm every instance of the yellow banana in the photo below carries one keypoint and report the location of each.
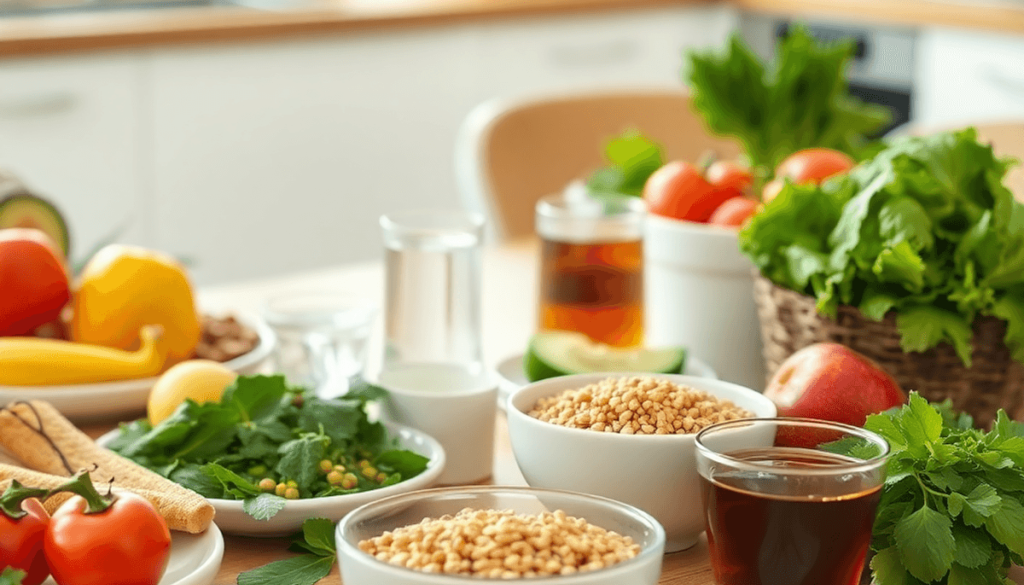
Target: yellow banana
(28, 361)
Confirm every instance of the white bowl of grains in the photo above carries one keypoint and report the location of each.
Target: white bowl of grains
(459, 535)
(627, 437)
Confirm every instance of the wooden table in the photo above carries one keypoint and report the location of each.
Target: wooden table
(509, 282)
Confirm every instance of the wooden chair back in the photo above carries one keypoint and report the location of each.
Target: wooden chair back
(512, 153)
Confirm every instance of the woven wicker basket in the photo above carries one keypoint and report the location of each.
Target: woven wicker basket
(789, 322)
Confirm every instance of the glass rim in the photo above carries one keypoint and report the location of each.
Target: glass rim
(565, 206)
(342, 309)
(865, 465)
(422, 222)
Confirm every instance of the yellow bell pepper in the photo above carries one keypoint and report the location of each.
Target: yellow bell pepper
(124, 288)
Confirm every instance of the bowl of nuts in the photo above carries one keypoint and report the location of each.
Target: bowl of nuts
(452, 536)
(627, 437)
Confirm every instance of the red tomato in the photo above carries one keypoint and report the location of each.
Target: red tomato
(678, 190)
(21, 542)
(126, 544)
(814, 165)
(727, 174)
(33, 281)
(734, 212)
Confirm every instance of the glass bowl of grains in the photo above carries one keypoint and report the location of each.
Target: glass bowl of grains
(460, 535)
(628, 437)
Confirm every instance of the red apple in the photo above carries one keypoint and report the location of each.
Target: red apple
(830, 381)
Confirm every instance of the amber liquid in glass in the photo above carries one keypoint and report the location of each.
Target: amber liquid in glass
(595, 289)
(786, 536)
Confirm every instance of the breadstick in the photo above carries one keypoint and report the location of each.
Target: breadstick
(43, 440)
(176, 513)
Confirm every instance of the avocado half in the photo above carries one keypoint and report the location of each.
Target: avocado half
(25, 210)
(559, 353)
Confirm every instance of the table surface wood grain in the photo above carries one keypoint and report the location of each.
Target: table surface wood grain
(509, 279)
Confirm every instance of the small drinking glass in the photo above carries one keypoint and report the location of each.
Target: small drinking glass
(322, 338)
(432, 368)
(592, 264)
(789, 501)
(432, 284)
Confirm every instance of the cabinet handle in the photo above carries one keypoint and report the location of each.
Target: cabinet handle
(36, 104)
(1007, 83)
(620, 51)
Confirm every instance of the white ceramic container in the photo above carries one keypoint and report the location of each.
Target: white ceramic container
(656, 473)
(699, 293)
(371, 520)
(452, 404)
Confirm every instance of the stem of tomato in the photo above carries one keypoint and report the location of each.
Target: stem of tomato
(81, 484)
(10, 502)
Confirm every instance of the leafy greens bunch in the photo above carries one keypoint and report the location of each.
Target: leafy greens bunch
(952, 507)
(925, 229)
(802, 102)
(262, 428)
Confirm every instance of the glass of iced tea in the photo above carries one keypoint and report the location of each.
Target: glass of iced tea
(591, 278)
(789, 501)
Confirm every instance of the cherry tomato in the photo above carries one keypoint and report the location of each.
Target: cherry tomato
(126, 544)
(814, 165)
(679, 190)
(727, 174)
(734, 212)
(21, 542)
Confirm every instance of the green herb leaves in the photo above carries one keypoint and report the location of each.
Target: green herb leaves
(952, 508)
(631, 160)
(11, 576)
(317, 541)
(264, 432)
(803, 102)
(924, 229)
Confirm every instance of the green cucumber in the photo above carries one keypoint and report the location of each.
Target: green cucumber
(559, 353)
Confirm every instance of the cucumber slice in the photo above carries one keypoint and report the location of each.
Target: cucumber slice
(558, 353)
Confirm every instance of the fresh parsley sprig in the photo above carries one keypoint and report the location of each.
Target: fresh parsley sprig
(317, 544)
(952, 508)
(802, 100)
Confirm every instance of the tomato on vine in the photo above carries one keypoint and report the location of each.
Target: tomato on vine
(23, 523)
(116, 539)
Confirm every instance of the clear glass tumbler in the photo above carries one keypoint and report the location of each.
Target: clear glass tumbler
(322, 337)
(432, 284)
(789, 501)
(592, 266)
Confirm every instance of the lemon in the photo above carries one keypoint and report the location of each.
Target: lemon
(200, 380)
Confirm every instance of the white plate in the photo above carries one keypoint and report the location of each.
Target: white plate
(511, 375)
(195, 558)
(113, 400)
(233, 520)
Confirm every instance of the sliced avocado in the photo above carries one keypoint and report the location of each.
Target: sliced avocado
(558, 353)
(25, 210)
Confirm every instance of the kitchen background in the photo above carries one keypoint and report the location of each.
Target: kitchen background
(268, 136)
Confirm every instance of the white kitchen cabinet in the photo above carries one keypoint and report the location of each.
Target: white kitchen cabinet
(72, 128)
(641, 47)
(967, 77)
(281, 156)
